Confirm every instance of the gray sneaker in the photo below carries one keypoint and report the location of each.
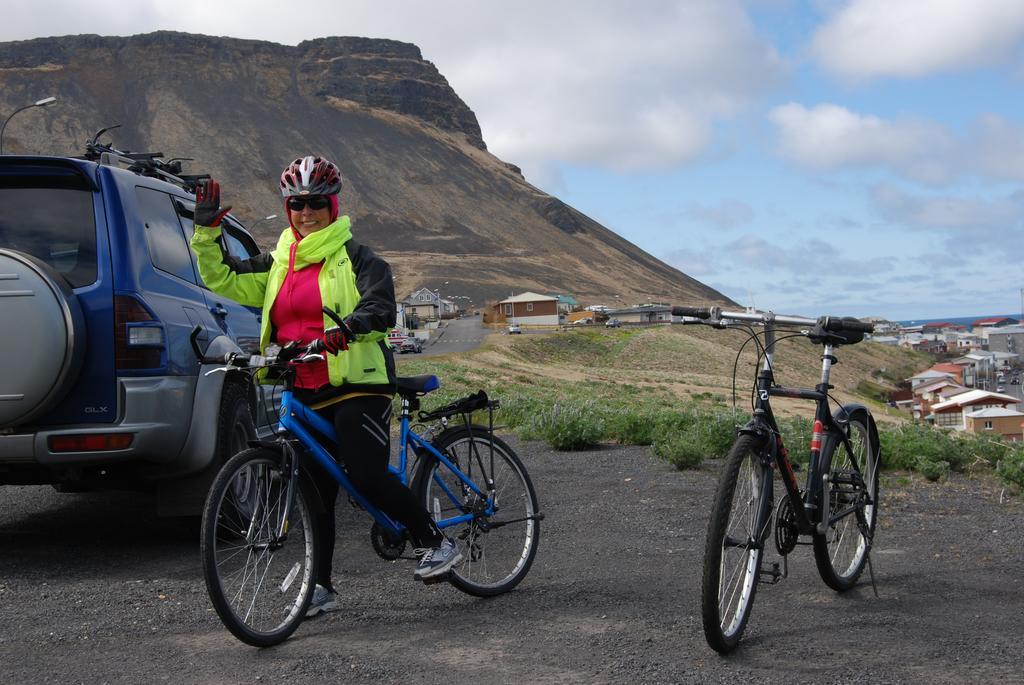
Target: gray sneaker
(438, 561)
(324, 600)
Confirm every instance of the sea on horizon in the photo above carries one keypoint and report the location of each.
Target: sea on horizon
(962, 320)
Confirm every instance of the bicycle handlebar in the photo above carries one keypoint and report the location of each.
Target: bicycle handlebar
(292, 354)
(833, 324)
(847, 323)
(697, 312)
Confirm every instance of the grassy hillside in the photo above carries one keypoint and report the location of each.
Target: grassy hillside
(667, 365)
(672, 388)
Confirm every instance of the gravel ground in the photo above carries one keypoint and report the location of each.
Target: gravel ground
(95, 588)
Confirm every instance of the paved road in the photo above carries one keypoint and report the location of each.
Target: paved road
(95, 588)
(457, 335)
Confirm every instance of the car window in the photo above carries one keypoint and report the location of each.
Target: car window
(232, 240)
(237, 243)
(51, 222)
(167, 247)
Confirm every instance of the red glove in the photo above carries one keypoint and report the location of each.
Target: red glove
(208, 211)
(336, 339)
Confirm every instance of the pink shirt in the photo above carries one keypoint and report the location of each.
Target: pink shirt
(297, 315)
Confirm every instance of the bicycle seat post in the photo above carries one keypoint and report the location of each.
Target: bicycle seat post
(827, 360)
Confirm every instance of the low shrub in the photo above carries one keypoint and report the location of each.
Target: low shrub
(713, 432)
(678, 450)
(932, 469)
(982, 447)
(1010, 468)
(632, 427)
(912, 443)
(568, 426)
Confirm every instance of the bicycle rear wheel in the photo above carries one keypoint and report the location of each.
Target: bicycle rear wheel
(735, 543)
(260, 582)
(497, 548)
(842, 551)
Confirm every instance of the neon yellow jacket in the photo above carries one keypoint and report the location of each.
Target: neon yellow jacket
(354, 282)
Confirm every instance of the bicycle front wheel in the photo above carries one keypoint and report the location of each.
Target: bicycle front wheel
(735, 543)
(842, 551)
(499, 533)
(258, 557)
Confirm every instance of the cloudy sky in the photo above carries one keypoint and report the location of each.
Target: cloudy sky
(820, 156)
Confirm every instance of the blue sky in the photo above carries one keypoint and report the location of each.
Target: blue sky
(861, 157)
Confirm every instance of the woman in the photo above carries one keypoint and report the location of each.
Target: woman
(317, 263)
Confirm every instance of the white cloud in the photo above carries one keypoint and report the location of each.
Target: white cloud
(615, 85)
(623, 87)
(758, 253)
(829, 136)
(872, 38)
(996, 219)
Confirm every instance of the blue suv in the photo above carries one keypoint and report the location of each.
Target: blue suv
(99, 294)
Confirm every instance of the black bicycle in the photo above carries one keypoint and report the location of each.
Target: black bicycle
(835, 511)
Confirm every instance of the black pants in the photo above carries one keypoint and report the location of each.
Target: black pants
(364, 448)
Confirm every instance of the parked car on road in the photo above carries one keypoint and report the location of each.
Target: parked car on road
(414, 345)
(514, 328)
(98, 298)
(578, 322)
(613, 323)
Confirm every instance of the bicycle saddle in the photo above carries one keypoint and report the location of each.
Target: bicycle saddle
(410, 386)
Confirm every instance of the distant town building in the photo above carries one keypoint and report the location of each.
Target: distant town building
(528, 309)
(1001, 422)
(648, 313)
(929, 376)
(1007, 339)
(994, 322)
(951, 413)
(566, 303)
(428, 305)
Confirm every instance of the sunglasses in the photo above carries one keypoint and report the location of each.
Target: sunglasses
(297, 204)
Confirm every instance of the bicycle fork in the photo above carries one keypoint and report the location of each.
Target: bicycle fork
(290, 474)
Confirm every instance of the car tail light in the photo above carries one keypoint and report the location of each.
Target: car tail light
(138, 335)
(97, 442)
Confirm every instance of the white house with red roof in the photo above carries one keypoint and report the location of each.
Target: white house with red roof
(950, 414)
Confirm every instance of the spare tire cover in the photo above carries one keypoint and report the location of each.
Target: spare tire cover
(42, 337)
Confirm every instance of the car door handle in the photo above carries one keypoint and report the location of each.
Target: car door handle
(219, 310)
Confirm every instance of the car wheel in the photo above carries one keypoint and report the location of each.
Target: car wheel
(235, 425)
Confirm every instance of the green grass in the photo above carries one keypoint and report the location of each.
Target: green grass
(627, 398)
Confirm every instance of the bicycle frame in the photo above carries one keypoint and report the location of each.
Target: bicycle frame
(763, 424)
(301, 421)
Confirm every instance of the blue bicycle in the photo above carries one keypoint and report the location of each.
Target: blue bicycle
(259, 537)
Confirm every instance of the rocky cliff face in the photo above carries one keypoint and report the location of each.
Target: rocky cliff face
(419, 183)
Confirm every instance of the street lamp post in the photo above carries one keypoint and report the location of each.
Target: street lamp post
(38, 103)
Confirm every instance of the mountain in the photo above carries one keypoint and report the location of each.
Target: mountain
(420, 185)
